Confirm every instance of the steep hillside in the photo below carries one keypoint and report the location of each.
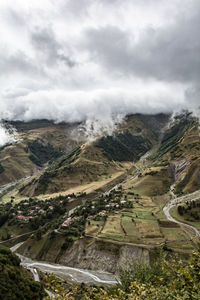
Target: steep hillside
(134, 137)
(174, 160)
(39, 143)
(81, 166)
(123, 146)
(101, 159)
(180, 151)
(171, 146)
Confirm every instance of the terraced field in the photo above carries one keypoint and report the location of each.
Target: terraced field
(143, 224)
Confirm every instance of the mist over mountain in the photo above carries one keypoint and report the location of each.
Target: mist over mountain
(97, 61)
(7, 136)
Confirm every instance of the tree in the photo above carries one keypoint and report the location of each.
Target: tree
(180, 210)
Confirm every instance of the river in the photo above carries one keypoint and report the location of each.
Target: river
(75, 274)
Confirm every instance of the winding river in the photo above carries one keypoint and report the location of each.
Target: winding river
(75, 274)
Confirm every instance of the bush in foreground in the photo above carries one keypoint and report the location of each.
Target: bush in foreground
(167, 280)
(14, 284)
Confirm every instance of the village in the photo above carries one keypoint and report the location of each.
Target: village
(56, 213)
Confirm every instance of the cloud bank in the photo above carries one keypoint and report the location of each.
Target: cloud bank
(97, 60)
(7, 135)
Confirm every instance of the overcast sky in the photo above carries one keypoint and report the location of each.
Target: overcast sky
(71, 60)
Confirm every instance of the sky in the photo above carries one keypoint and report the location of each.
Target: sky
(76, 60)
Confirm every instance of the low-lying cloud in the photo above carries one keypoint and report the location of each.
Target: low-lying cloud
(59, 105)
(94, 61)
(7, 136)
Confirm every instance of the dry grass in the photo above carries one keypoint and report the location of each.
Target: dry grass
(149, 229)
(112, 229)
(94, 227)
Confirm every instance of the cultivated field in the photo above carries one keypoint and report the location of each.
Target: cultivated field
(143, 224)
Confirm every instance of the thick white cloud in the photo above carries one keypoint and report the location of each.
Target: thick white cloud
(75, 60)
(7, 136)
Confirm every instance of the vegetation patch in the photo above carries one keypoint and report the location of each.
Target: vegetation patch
(42, 153)
(190, 211)
(14, 283)
(149, 230)
(66, 159)
(113, 229)
(94, 227)
(123, 146)
(174, 234)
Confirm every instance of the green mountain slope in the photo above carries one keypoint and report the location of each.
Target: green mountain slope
(101, 159)
(123, 146)
(39, 143)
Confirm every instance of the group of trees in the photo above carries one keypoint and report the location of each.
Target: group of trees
(47, 216)
(14, 284)
(40, 213)
(76, 229)
(92, 208)
(4, 212)
(42, 153)
(191, 210)
(123, 146)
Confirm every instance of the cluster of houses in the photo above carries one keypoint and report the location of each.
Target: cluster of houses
(102, 213)
(27, 211)
(25, 214)
(69, 220)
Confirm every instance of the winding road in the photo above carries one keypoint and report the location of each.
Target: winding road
(180, 200)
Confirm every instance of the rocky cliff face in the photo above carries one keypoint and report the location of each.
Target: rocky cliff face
(91, 254)
(176, 168)
(103, 256)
